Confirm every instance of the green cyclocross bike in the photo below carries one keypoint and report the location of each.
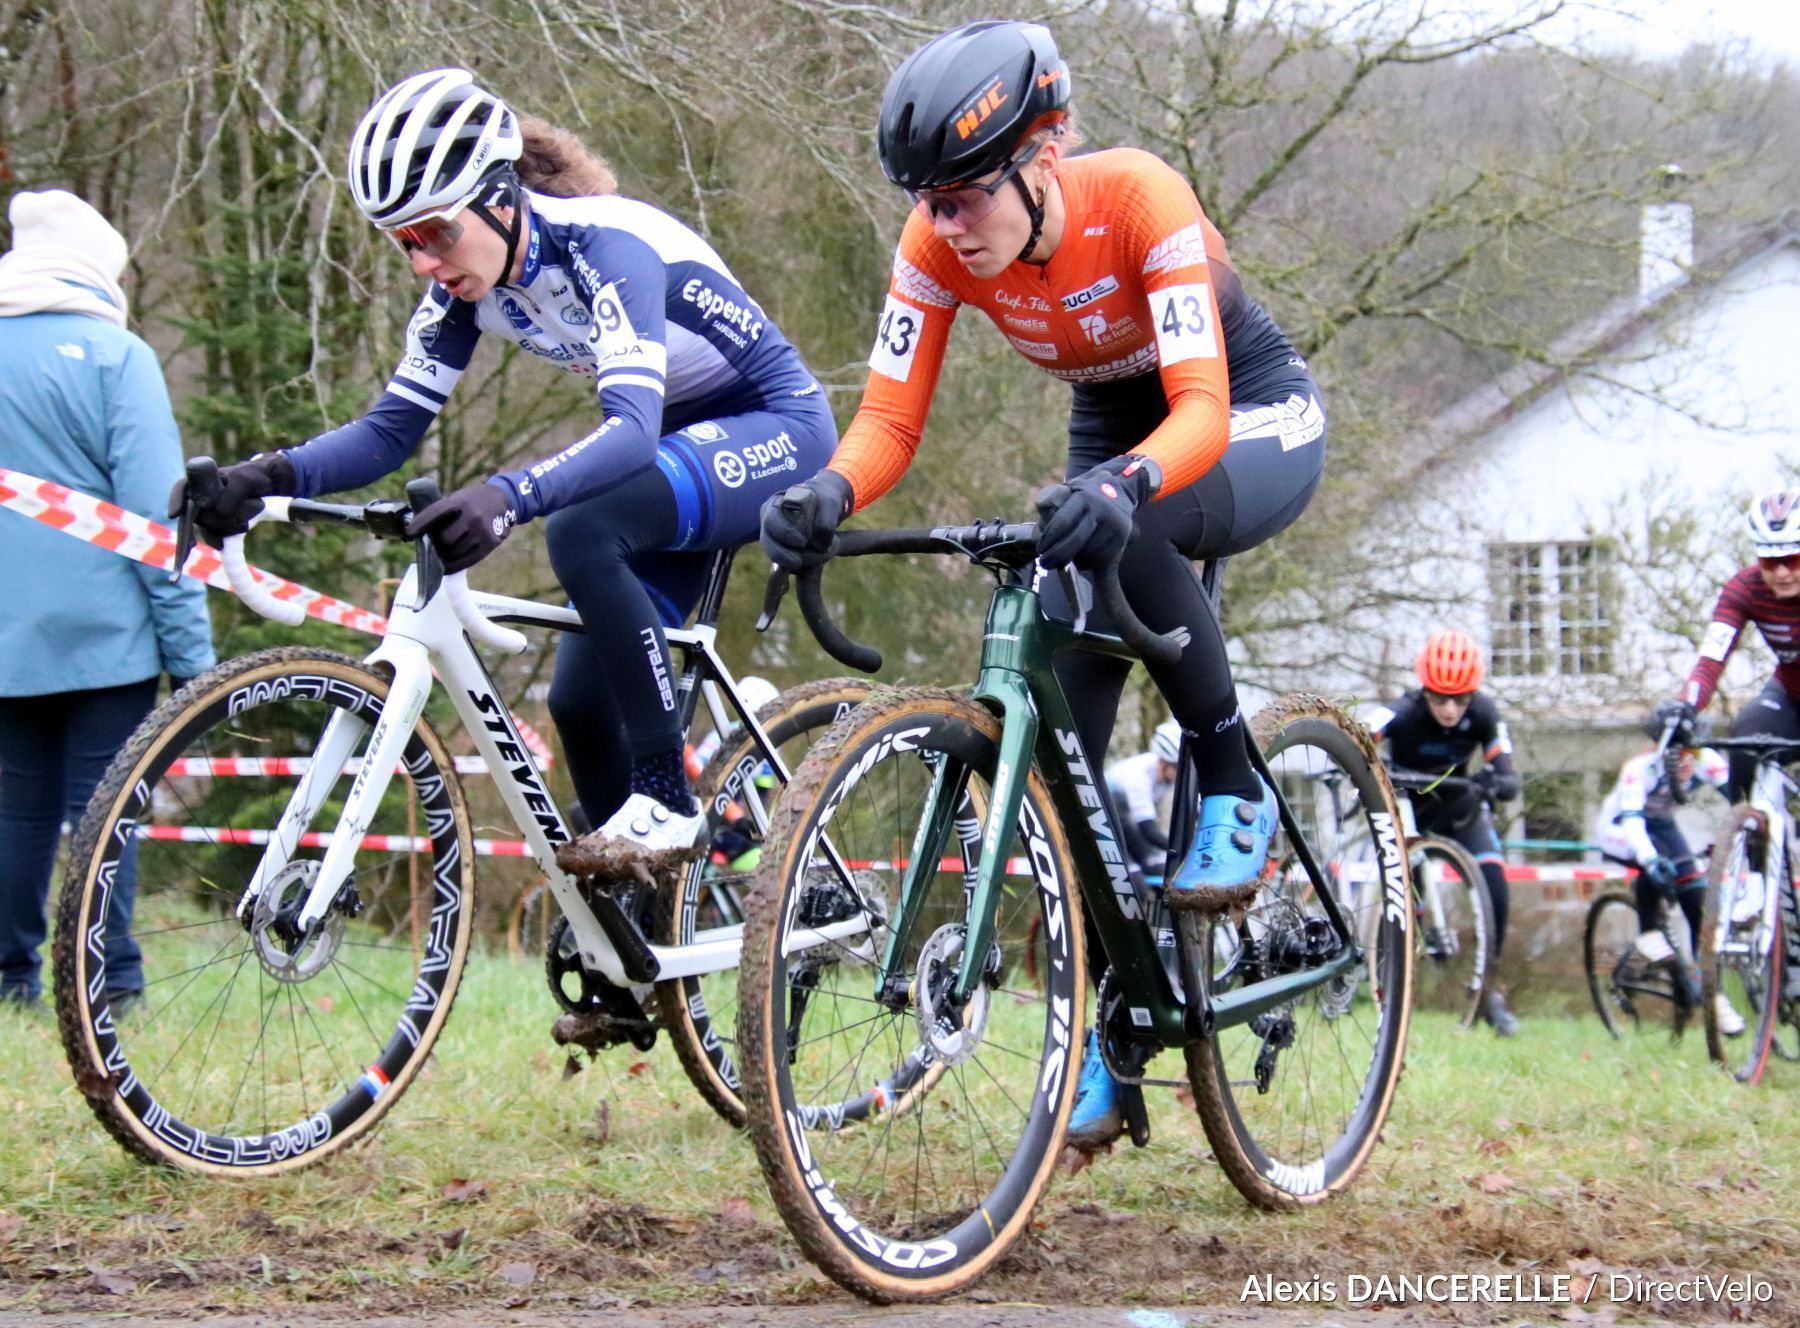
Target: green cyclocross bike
(907, 1090)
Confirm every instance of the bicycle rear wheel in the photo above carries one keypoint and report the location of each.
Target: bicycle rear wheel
(700, 1013)
(231, 1045)
(1452, 964)
(1627, 989)
(1293, 1102)
(1741, 946)
(907, 1136)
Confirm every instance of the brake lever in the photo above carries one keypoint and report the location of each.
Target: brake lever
(773, 594)
(203, 485)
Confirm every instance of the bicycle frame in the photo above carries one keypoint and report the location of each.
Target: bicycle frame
(1769, 795)
(424, 634)
(1016, 679)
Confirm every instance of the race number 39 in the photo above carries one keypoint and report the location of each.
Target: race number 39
(896, 338)
(1184, 323)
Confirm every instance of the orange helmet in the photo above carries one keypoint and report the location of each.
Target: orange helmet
(1451, 663)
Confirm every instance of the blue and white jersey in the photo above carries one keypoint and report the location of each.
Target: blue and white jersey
(614, 290)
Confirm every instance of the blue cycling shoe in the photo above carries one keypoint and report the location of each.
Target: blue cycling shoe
(1096, 1120)
(1224, 867)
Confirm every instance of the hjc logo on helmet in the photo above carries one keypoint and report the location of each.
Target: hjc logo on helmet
(967, 122)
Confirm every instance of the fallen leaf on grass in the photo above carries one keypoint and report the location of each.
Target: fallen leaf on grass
(113, 1284)
(325, 1005)
(461, 1190)
(11, 1224)
(1493, 1147)
(520, 1275)
(1492, 1182)
(639, 1069)
(452, 1240)
(736, 1212)
(515, 1302)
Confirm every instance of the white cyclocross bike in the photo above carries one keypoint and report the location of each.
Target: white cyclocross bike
(256, 949)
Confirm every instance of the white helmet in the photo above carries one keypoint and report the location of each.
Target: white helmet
(427, 146)
(1166, 741)
(1775, 523)
(756, 693)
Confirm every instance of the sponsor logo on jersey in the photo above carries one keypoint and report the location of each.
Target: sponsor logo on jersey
(1099, 290)
(919, 288)
(515, 314)
(1026, 324)
(758, 461)
(1012, 301)
(71, 350)
(724, 311)
(704, 432)
(575, 315)
(1038, 350)
(427, 320)
(1185, 248)
(1138, 361)
(1094, 230)
(1102, 331)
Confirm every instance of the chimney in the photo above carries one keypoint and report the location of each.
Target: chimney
(1666, 237)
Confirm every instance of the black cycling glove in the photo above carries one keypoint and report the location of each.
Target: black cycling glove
(1089, 520)
(239, 500)
(466, 526)
(799, 525)
(1677, 710)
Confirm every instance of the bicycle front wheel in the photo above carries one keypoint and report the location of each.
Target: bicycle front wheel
(1623, 984)
(907, 1134)
(1741, 946)
(1453, 956)
(1293, 1101)
(700, 1013)
(207, 1031)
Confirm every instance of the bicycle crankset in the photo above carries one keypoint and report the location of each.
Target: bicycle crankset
(597, 1014)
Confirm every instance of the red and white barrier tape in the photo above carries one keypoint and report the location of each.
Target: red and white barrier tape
(108, 526)
(197, 834)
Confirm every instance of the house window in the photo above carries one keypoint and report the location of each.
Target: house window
(1552, 609)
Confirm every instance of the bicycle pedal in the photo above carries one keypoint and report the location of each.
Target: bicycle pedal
(1136, 1114)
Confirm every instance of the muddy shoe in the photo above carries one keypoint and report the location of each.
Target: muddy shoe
(641, 839)
(1223, 870)
(1096, 1120)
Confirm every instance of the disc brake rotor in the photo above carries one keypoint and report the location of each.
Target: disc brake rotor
(284, 954)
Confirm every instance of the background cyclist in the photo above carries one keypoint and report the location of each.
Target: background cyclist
(1195, 430)
(1766, 593)
(1438, 728)
(1138, 784)
(1637, 827)
(705, 410)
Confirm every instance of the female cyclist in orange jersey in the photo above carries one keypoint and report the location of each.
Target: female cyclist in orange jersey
(1196, 431)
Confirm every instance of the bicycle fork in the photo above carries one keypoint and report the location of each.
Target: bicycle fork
(405, 703)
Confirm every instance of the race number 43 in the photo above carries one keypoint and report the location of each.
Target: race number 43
(1185, 328)
(896, 338)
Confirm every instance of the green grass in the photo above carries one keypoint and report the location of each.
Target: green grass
(1557, 1146)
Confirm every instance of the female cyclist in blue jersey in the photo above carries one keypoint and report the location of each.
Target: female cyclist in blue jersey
(705, 410)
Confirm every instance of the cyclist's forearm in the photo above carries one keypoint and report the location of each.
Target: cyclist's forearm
(618, 449)
(361, 451)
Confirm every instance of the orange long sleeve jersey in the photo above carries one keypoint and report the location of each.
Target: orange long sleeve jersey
(1139, 283)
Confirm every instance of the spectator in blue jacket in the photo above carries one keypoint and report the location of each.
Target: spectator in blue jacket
(86, 633)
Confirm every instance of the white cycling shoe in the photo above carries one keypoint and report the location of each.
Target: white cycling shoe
(1654, 946)
(646, 822)
(1731, 1023)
